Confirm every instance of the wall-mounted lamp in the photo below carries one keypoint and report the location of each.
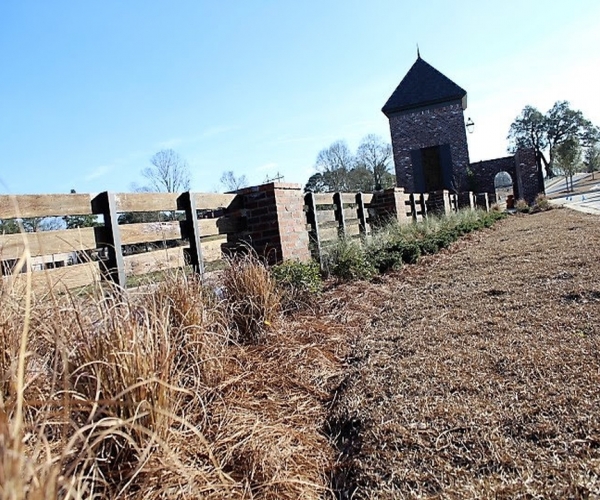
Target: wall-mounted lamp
(470, 125)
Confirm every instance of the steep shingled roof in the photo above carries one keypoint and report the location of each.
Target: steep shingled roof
(423, 85)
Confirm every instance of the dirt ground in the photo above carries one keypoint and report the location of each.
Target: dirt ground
(476, 373)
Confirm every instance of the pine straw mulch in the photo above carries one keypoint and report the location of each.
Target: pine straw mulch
(476, 373)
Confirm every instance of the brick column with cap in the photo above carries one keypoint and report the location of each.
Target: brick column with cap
(389, 204)
(276, 221)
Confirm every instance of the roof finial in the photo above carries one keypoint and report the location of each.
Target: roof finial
(418, 53)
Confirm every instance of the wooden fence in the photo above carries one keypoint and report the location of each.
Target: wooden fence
(197, 228)
(337, 215)
(99, 251)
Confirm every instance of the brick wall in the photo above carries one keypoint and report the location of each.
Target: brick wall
(424, 128)
(389, 204)
(275, 221)
(439, 202)
(485, 171)
(529, 180)
(466, 200)
(522, 167)
(482, 201)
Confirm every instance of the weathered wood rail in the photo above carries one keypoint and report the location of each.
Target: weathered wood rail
(197, 229)
(202, 238)
(335, 215)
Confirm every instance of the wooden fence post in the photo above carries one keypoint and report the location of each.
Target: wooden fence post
(418, 205)
(413, 206)
(483, 202)
(362, 217)
(311, 219)
(339, 214)
(105, 204)
(191, 230)
(423, 197)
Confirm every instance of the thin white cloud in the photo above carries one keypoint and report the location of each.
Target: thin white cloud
(299, 139)
(123, 164)
(191, 139)
(98, 172)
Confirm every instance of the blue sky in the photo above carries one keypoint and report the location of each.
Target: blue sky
(90, 90)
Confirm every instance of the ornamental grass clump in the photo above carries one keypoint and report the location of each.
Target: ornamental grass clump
(252, 297)
(541, 203)
(35, 451)
(146, 394)
(135, 374)
(198, 322)
(522, 206)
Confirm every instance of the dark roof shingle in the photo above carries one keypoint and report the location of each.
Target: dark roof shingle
(423, 85)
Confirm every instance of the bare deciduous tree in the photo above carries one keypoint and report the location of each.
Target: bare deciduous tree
(339, 170)
(169, 173)
(376, 156)
(334, 163)
(231, 182)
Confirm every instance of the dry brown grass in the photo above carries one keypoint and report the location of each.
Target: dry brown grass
(474, 374)
(477, 372)
(149, 396)
(254, 302)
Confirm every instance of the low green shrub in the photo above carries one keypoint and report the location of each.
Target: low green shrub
(430, 244)
(391, 253)
(299, 275)
(346, 260)
(300, 283)
(409, 250)
(468, 226)
(443, 237)
(396, 244)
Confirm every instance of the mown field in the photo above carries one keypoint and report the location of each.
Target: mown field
(476, 373)
(471, 374)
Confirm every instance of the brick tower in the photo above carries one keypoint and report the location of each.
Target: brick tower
(427, 125)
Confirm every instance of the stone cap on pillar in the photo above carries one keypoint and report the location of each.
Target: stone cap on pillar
(270, 186)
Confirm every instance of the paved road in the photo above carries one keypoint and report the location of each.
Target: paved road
(558, 184)
(585, 200)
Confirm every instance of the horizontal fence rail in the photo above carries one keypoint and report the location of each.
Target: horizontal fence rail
(337, 215)
(193, 229)
(136, 234)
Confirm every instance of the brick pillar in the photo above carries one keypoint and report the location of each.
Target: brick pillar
(528, 175)
(276, 222)
(439, 202)
(390, 204)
